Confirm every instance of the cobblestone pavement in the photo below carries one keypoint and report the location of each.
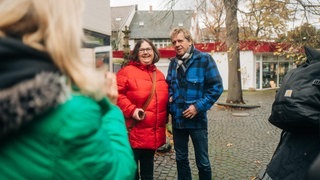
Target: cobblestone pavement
(239, 146)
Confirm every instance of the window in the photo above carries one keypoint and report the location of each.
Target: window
(270, 71)
(102, 54)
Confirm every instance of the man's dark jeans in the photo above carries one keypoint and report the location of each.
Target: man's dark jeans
(199, 139)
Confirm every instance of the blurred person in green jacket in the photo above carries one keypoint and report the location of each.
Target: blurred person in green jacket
(48, 128)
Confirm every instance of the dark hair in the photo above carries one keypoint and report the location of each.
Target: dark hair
(135, 52)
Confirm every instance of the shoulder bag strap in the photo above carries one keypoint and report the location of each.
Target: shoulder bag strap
(145, 105)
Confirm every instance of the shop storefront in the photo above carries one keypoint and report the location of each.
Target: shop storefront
(270, 70)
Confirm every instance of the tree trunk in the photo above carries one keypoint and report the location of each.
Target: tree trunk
(232, 41)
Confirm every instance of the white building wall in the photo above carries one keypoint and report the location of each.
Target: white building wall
(222, 63)
(131, 44)
(97, 16)
(247, 68)
(163, 65)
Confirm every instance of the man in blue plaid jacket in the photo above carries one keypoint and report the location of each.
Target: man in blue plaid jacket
(194, 86)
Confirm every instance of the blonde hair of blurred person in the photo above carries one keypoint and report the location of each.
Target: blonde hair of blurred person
(80, 136)
(43, 25)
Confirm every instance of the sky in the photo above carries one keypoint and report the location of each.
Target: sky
(156, 4)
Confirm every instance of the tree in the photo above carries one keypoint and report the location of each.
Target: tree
(232, 41)
(213, 21)
(212, 16)
(305, 34)
(262, 21)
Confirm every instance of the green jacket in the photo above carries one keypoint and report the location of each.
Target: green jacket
(47, 132)
(76, 140)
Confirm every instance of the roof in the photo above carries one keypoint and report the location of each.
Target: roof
(96, 16)
(120, 16)
(158, 24)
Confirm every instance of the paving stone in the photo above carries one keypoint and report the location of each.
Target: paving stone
(239, 146)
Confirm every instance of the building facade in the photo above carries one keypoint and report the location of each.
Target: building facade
(157, 25)
(97, 29)
(121, 18)
(150, 24)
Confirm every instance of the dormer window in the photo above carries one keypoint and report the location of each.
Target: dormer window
(118, 19)
(180, 24)
(141, 23)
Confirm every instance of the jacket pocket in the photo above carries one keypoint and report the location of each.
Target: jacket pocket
(195, 88)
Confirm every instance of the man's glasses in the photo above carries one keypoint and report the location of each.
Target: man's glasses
(141, 50)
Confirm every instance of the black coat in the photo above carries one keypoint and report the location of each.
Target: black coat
(294, 156)
(296, 111)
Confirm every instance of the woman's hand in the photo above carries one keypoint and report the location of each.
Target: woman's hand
(138, 114)
(111, 87)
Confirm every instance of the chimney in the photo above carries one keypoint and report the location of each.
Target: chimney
(150, 9)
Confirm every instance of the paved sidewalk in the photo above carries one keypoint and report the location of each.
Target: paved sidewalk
(241, 141)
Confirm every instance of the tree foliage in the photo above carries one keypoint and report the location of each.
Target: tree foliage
(263, 19)
(304, 35)
(213, 18)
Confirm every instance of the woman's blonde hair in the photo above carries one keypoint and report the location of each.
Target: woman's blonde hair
(53, 26)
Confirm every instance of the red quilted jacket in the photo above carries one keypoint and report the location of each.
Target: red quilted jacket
(134, 85)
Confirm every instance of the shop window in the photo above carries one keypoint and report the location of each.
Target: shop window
(269, 74)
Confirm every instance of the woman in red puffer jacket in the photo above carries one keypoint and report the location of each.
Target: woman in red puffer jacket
(135, 84)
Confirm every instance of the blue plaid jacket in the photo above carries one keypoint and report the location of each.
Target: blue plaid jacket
(201, 86)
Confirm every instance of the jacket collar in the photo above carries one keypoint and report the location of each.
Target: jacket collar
(30, 85)
(141, 66)
(20, 62)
